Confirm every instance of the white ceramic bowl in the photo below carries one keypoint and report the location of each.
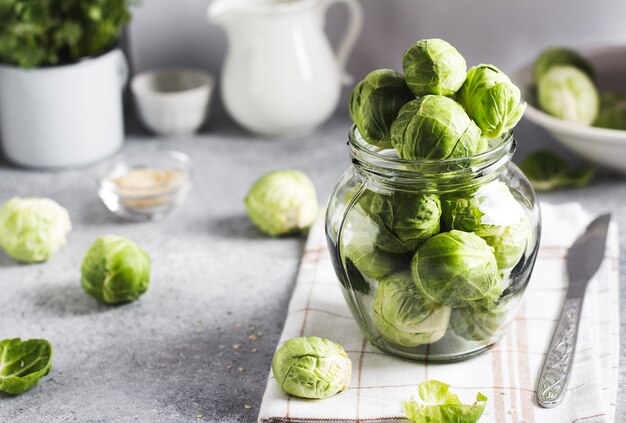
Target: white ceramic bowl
(605, 147)
(173, 101)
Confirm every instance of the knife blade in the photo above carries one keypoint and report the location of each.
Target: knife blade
(584, 258)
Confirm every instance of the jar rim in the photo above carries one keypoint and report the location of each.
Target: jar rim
(387, 169)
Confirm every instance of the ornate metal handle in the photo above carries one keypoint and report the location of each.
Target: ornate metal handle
(558, 362)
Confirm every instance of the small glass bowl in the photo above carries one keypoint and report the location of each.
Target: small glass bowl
(145, 185)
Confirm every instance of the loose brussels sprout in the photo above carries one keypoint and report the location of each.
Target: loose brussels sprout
(612, 113)
(433, 67)
(115, 270)
(359, 247)
(433, 403)
(492, 213)
(33, 229)
(455, 268)
(375, 103)
(23, 363)
(312, 367)
(568, 93)
(282, 202)
(434, 128)
(478, 321)
(556, 56)
(547, 171)
(491, 100)
(404, 315)
(405, 219)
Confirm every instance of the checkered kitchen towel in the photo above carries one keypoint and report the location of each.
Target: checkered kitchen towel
(506, 374)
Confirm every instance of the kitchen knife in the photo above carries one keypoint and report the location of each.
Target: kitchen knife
(583, 260)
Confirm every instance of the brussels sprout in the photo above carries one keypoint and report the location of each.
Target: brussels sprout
(23, 363)
(359, 247)
(433, 67)
(312, 367)
(33, 229)
(612, 113)
(455, 268)
(491, 100)
(492, 213)
(478, 321)
(560, 56)
(115, 270)
(434, 128)
(433, 403)
(405, 219)
(548, 171)
(375, 103)
(404, 315)
(568, 93)
(282, 202)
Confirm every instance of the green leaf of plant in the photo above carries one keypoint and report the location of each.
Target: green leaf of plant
(23, 363)
(547, 171)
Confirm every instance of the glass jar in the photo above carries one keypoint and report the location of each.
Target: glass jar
(433, 257)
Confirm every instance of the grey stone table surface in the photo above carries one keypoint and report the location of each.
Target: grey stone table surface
(169, 357)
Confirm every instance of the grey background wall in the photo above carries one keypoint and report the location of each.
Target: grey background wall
(505, 32)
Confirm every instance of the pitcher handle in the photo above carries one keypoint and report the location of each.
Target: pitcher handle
(355, 24)
(122, 68)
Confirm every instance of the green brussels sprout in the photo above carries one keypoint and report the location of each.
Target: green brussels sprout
(375, 103)
(454, 268)
(405, 219)
(568, 93)
(491, 100)
(433, 403)
(434, 128)
(23, 363)
(478, 321)
(612, 113)
(311, 367)
(404, 315)
(359, 246)
(115, 270)
(547, 171)
(433, 67)
(33, 229)
(556, 56)
(282, 202)
(492, 213)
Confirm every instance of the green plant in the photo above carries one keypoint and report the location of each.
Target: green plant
(433, 67)
(33, 229)
(47, 32)
(454, 268)
(491, 100)
(547, 171)
(556, 56)
(568, 93)
(404, 315)
(311, 367)
(115, 270)
(433, 403)
(282, 202)
(492, 213)
(375, 103)
(23, 363)
(478, 321)
(434, 128)
(612, 113)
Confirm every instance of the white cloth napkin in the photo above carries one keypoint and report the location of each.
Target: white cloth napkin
(506, 374)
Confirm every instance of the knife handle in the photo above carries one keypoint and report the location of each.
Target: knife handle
(558, 362)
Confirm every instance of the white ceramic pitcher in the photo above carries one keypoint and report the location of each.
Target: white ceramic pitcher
(281, 76)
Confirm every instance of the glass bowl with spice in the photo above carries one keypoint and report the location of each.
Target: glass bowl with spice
(145, 186)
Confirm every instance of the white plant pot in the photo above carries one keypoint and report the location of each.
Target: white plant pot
(61, 116)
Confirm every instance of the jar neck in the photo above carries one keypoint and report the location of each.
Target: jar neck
(383, 167)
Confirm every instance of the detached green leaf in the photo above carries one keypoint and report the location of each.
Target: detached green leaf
(547, 171)
(433, 403)
(23, 363)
